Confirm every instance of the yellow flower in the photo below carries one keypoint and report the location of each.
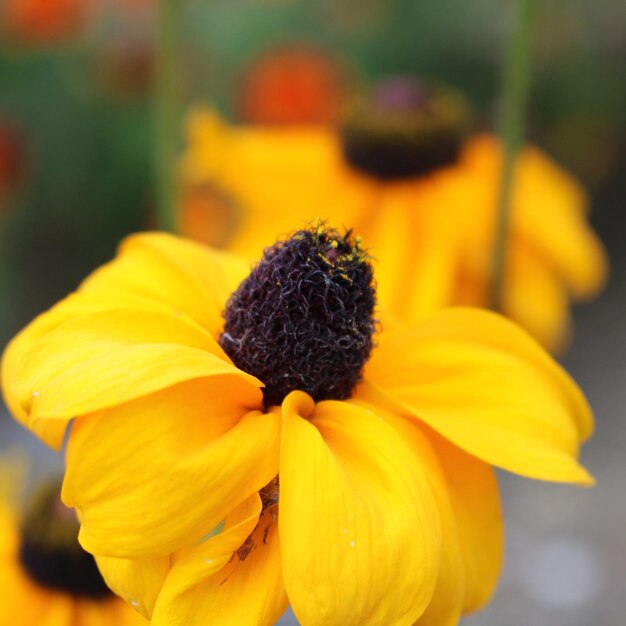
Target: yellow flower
(360, 496)
(46, 577)
(432, 229)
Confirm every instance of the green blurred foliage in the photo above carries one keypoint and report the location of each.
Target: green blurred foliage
(89, 148)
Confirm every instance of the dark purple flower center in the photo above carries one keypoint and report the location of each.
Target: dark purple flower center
(303, 318)
(404, 128)
(49, 551)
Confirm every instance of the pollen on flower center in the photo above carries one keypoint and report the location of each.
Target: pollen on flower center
(49, 551)
(404, 128)
(302, 320)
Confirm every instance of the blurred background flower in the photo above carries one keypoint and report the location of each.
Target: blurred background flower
(292, 84)
(402, 172)
(46, 576)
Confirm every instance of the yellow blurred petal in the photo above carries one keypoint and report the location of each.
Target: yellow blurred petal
(472, 487)
(482, 383)
(296, 175)
(359, 527)
(209, 580)
(157, 474)
(124, 615)
(537, 299)
(412, 242)
(137, 581)
(107, 613)
(549, 212)
(100, 360)
(551, 209)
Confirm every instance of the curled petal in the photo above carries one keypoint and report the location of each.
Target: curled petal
(155, 475)
(358, 523)
(137, 581)
(211, 579)
(482, 383)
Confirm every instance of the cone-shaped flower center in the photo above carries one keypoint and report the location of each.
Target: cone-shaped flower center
(404, 128)
(303, 319)
(49, 550)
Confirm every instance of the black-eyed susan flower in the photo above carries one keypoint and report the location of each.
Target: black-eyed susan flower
(47, 579)
(247, 439)
(404, 172)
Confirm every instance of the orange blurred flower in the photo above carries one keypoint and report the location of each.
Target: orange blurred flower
(42, 21)
(292, 84)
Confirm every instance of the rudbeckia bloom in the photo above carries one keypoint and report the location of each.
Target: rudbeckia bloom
(47, 579)
(243, 439)
(405, 174)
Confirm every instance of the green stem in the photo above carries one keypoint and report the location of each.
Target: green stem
(167, 110)
(515, 92)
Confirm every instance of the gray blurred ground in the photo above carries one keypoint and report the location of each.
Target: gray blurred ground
(566, 547)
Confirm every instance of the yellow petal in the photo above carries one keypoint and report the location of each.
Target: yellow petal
(154, 475)
(446, 605)
(153, 272)
(96, 361)
(209, 580)
(137, 581)
(181, 275)
(13, 356)
(482, 383)
(472, 487)
(358, 523)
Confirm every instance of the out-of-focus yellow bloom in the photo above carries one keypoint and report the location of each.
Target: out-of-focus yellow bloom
(47, 581)
(433, 233)
(388, 507)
